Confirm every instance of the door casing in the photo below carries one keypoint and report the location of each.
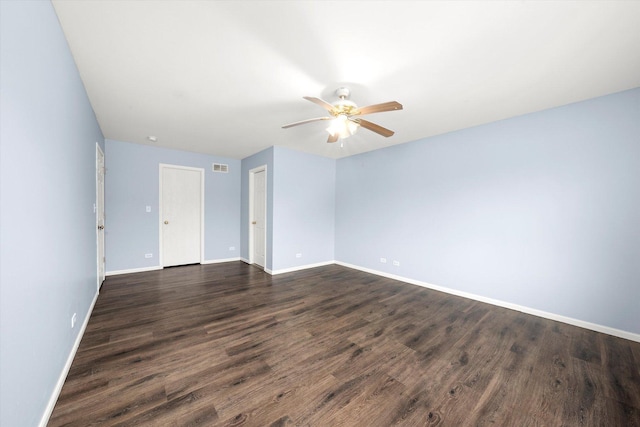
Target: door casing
(100, 216)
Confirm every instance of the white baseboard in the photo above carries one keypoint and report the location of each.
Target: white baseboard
(139, 270)
(133, 270)
(298, 268)
(246, 261)
(63, 375)
(217, 261)
(544, 314)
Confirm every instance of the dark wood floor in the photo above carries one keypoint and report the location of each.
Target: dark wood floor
(228, 345)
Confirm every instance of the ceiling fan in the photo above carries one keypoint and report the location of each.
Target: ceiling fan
(346, 116)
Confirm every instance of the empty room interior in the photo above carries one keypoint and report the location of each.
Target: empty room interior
(320, 213)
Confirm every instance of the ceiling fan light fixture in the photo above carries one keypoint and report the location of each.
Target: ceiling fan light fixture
(342, 126)
(352, 127)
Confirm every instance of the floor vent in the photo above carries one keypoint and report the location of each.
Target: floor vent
(219, 167)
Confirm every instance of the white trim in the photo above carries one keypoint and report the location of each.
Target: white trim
(528, 310)
(217, 261)
(133, 270)
(98, 260)
(252, 172)
(298, 268)
(246, 261)
(65, 370)
(161, 166)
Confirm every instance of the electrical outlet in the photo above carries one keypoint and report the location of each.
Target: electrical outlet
(298, 255)
(73, 321)
(148, 255)
(383, 260)
(148, 209)
(232, 248)
(396, 263)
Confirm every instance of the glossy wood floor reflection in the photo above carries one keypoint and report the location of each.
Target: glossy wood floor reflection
(229, 345)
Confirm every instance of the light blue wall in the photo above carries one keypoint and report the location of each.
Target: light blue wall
(541, 210)
(132, 183)
(263, 158)
(304, 208)
(48, 269)
(300, 207)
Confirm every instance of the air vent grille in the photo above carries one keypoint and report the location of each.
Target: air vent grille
(219, 167)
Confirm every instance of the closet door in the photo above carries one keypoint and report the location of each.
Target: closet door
(181, 204)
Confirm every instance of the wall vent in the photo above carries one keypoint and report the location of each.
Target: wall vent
(219, 167)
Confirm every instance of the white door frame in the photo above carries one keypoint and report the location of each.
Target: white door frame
(100, 208)
(201, 170)
(252, 173)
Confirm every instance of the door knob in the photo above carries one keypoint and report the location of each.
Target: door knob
(253, 222)
(166, 222)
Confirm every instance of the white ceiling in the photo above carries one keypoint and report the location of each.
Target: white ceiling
(222, 77)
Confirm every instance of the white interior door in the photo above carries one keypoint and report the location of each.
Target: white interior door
(100, 213)
(181, 204)
(258, 220)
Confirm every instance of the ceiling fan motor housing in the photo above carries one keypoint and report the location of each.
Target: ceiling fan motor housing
(343, 105)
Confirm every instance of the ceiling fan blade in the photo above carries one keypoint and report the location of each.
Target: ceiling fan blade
(324, 104)
(302, 122)
(378, 108)
(374, 127)
(333, 138)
